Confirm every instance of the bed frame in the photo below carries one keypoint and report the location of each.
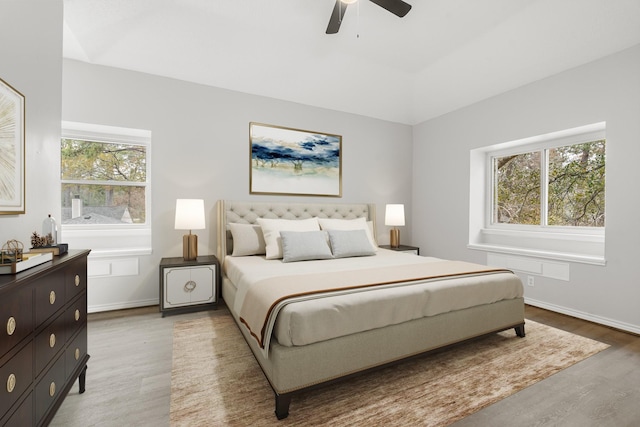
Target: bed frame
(290, 370)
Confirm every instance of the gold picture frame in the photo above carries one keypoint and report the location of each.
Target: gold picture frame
(294, 162)
(12, 150)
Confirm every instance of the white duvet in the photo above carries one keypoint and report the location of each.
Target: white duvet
(305, 322)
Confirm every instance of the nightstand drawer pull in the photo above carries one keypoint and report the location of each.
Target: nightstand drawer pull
(77, 280)
(11, 382)
(52, 340)
(52, 389)
(76, 354)
(11, 325)
(52, 297)
(76, 315)
(190, 286)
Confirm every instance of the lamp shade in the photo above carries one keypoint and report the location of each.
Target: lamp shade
(394, 215)
(189, 214)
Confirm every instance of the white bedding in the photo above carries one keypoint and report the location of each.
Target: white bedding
(315, 320)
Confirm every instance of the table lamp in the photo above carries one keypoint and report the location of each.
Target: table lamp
(394, 216)
(189, 216)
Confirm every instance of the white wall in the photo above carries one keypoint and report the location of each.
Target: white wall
(31, 62)
(604, 90)
(200, 149)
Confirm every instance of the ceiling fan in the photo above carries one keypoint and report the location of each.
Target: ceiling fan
(397, 7)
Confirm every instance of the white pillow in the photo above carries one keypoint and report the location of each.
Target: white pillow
(304, 245)
(271, 231)
(348, 243)
(349, 224)
(247, 239)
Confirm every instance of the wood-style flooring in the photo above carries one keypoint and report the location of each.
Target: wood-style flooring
(129, 378)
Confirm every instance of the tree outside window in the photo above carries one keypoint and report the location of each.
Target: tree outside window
(103, 182)
(561, 186)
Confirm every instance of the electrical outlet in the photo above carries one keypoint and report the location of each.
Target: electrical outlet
(530, 280)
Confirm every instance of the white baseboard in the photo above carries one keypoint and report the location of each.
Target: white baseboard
(121, 305)
(635, 329)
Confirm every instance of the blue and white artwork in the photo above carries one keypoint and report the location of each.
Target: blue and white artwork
(293, 161)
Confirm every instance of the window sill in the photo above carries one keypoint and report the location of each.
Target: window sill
(540, 253)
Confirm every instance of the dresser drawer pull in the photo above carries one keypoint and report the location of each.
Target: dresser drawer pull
(190, 286)
(11, 382)
(77, 353)
(52, 297)
(11, 325)
(77, 280)
(52, 389)
(76, 315)
(52, 340)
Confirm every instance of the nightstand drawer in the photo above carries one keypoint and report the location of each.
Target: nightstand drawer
(189, 285)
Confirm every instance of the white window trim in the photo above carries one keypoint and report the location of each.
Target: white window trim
(578, 244)
(107, 239)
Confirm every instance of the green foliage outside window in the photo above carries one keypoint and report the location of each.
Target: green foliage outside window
(575, 187)
(109, 178)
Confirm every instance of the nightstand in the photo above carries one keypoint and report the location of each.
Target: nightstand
(187, 286)
(404, 248)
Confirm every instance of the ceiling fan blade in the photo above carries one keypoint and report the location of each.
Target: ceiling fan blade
(336, 17)
(397, 7)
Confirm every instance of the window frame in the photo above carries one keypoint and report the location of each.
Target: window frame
(111, 239)
(568, 243)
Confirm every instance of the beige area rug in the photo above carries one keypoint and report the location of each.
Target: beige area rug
(215, 381)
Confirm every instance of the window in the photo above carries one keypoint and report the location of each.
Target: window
(105, 184)
(559, 186)
(542, 196)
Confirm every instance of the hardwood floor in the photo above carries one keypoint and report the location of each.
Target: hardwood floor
(129, 378)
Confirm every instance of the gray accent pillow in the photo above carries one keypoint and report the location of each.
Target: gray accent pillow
(349, 243)
(304, 245)
(247, 239)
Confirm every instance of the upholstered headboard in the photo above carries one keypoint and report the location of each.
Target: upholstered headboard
(248, 212)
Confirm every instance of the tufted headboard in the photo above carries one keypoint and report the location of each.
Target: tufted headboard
(247, 212)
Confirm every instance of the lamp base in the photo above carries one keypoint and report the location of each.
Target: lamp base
(394, 238)
(189, 247)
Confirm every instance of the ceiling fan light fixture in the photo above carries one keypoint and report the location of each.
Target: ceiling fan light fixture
(348, 1)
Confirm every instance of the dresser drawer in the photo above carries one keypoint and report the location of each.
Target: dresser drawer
(76, 351)
(49, 388)
(76, 315)
(16, 315)
(49, 342)
(76, 278)
(49, 296)
(23, 416)
(15, 377)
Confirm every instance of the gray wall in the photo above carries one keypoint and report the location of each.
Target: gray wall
(31, 62)
(604, 90)
(200, 149)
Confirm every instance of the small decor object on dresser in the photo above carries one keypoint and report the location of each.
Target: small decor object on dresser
(188, 285)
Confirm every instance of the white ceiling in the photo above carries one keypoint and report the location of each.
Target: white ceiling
(444, 55)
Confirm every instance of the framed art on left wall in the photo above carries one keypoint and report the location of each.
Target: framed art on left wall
(294, 161)
(12, 150)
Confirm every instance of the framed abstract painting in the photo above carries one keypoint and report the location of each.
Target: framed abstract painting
(294, 161)
(12, 150)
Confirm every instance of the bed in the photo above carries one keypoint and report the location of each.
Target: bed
(376, 308)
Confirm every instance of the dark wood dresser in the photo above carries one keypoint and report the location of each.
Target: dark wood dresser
(43, 338)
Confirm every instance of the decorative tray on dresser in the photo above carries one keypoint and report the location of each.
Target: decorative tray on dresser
(43, 338)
